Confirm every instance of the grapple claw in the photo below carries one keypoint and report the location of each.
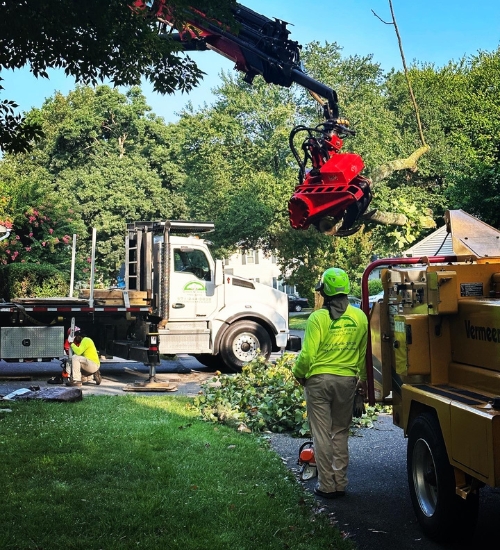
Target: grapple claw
(332, 195)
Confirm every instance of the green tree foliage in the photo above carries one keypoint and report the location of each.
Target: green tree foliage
(473, 184)
(103, 162)
(241, 174)
(107, 158)
(380, 136)
(15, 134)
(477, 191)
(237, 162)
(92, 41)
(375, 286)
(40, 224)
(304, 256)
(459, 107)
(359, 82)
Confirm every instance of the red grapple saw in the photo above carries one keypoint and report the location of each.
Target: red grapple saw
(331, 194)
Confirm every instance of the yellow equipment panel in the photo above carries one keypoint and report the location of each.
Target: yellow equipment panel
(411, 344)
(442, 294)
(475, 333)
(471, 438)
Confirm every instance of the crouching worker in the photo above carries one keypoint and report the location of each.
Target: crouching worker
(85, 361)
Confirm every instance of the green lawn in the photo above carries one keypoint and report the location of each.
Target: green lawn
(298, 322)
(142, 472)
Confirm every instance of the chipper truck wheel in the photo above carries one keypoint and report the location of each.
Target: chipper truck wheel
(441, 513)
(240, 344)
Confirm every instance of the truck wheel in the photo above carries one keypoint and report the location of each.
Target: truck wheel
(241, 342)
(441, 513)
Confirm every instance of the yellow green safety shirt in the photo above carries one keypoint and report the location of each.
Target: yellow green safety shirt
(334, 347)
(87, 349)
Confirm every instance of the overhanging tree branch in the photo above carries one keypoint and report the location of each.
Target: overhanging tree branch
(405, 69)
(410, 163)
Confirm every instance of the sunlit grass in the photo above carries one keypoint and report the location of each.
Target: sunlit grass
(298, 322)
(144, 472)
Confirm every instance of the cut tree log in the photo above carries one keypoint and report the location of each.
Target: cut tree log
(385, 218)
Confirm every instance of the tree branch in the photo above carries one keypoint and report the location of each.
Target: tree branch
(384, 22)
(410, 163)
(410, 89)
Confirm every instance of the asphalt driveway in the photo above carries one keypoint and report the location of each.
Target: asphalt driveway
(377, 513)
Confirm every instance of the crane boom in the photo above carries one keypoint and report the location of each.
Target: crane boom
(331, 195)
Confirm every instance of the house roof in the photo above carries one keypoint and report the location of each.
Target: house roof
(462, 234)
(438, 243)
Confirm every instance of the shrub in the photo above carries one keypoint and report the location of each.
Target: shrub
(32, 281)
(374, 286)
(265, 397)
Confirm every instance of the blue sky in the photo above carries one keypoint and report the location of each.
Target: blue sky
(434, 32)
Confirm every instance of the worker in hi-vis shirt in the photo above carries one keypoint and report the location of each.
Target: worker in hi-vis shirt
(332, 368)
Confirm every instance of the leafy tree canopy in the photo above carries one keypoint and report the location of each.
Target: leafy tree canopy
(104, 161)
(237, 162)
(92, 41)
(459, 107)
(112, 161)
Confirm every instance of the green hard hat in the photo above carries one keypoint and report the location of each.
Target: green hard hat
(335, 281)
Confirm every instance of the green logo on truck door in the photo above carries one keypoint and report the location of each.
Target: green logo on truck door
(194, 286)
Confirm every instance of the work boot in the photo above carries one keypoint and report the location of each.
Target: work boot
(333, 494)
(74, 383)
(98, 377)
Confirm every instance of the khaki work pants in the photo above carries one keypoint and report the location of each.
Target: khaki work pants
(79, 365)
(329, 400)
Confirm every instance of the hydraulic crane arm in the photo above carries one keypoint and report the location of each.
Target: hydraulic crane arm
(262, 47)
(259, 46)
(331, 195)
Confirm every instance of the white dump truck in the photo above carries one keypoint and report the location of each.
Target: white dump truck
(177, 299)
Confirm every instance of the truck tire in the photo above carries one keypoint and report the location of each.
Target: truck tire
(240, 344)
(441, 513)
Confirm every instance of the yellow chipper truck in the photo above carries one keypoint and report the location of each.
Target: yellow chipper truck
(435, 350)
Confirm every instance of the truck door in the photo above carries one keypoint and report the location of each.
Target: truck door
(192, 285)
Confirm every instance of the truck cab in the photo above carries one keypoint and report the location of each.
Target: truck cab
(222, 319)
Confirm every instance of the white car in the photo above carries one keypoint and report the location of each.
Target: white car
(375, 298)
